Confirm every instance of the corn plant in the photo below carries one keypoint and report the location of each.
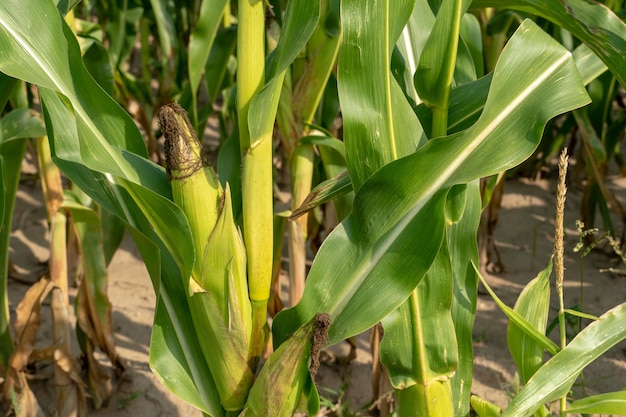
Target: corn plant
(420, 128)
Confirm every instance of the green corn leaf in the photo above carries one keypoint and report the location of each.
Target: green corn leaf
(520, 321)
(464, 250)
(588, 63)
(608, 403)
(411, 43)
(467, 101)
(471, 33)
(326, 141)
(466, 104)
(580, 314)
(556, 377)
(7, 84)
(322, 51)
(36, 49)
(11, 155)
(201, 41)
(369, 265)
(323, 193)
(593, 23)
(424, 336)
(455, 203)
(178, 362)
(216, 68)
(439, 306)
(484, 408)
(433, 78)
(533, 304)
(379, 125)
(20, 124)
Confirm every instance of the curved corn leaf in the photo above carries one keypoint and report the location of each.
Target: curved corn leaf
(484, 408)
(177, 362)
(593, 23)
(369, 265)
(608, 403)
(540, 338)
(533, 304)
(324, 192)
(467, 101)
(555, 378)
(21, 124)
(36, 48)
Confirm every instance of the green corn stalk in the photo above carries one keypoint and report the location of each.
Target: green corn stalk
(256, 170)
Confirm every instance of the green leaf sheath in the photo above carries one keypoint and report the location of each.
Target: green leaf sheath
(369, 265)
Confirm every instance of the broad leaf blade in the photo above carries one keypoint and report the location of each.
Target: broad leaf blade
(370, 262)
(379, 124)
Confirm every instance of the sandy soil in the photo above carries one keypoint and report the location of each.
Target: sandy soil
(524, 238)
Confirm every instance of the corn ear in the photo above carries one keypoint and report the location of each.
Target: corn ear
(227, 345)
(224, 266)
(195, 188)
(225, 350)
(285, 384)
(218, 289)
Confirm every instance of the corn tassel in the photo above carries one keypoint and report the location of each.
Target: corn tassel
(195, 188)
